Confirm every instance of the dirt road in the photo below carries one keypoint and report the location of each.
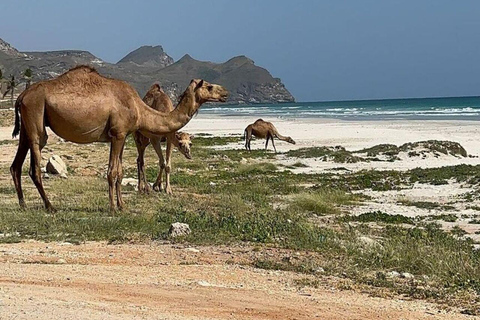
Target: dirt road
(163, 281)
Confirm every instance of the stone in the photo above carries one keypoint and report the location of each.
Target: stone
(368, 242)
(179, 229)
(319, 270)
(393, 274)
(55, 165)
(407, 275)
(192, 250)
(46, 176)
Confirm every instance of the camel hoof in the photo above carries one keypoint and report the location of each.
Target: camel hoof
(22, 204)
(168, 191)
(157, 188)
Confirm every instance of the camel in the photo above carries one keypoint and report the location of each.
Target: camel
(263, 129)
(83, 106)
(159, 100)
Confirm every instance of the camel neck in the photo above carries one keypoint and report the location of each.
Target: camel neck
(158, 123)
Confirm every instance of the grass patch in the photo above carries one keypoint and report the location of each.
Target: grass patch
(321, 202)
(379, 216)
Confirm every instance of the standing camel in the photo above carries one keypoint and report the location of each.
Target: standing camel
(263, 129)
(159, 100)
(84, 107)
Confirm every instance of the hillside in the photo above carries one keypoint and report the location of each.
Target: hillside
(246, 82)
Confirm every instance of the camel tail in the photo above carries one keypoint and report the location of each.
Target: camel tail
(16, 129)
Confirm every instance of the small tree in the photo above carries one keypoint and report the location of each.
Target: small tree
(28, 74)
(11, 88)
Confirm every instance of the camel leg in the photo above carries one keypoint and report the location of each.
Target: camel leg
(16, 168)
(113, 170)
(266, 144)
(36, 146)
(158, 186)
(168, 167)
(141, 143)
(118, 182)
(273, 144)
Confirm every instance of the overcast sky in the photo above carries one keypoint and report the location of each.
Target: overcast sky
(322, 50)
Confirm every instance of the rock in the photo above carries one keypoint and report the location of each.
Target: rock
(393, 274)
(63, 175)
(368, 242)
(68, 157)
(212, 183)
(129, 182)
(179, 229)
(407, 275)
(43, 170)
(243, 161)
(46, 176)
(56, 165)
(192, 250)
(61, 261)
(203, 283)
(319, 270)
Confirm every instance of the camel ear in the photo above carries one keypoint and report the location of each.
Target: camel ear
(199, 85)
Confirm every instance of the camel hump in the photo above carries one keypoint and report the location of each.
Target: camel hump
(83, 67)
(260, 120)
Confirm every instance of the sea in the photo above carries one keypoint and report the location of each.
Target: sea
(457, 108)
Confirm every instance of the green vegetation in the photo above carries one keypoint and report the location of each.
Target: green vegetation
(336, 154)
(390, 152)
(425, 205)
(379, 216)
(322, 202)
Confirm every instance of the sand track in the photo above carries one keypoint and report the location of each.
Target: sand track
(163, 281)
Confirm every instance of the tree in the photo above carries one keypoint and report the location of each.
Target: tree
(28, 74)
(11, 88)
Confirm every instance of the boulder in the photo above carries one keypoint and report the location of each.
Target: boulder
(179, 229)
(55, 165)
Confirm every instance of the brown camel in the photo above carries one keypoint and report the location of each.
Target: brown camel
(263, 129)
(159, 100)
(84, 107)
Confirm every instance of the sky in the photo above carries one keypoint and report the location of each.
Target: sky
(322, 50)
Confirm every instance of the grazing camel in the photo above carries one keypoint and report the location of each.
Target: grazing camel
(159, 100)
(84, 107)
(263, 129)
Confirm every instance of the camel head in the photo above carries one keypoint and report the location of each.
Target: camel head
(183, 142)
(208, 92)
(290, 140)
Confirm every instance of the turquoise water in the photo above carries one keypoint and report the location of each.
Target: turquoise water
(461, 108)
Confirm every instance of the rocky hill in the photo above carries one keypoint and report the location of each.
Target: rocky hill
(246, 82)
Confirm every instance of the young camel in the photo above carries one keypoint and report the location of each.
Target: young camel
(263, 129)
(159, 100)
(84, 107)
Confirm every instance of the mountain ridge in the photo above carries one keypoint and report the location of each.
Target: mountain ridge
(246, 82)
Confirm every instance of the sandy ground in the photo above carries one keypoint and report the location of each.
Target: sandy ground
(162, 281)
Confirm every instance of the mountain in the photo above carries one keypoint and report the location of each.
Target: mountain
(246, 82)
(148, 56)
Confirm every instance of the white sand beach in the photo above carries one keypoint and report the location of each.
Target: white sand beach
(352, 135)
